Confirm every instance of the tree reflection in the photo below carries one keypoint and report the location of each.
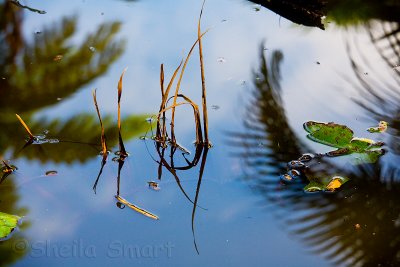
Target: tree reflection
(379, 93)
(39, 73)
(357, 226)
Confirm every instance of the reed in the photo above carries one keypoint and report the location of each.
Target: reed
(103, 136)
(31, 137)
(122, 152)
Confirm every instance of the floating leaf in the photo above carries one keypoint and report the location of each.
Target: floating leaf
(382, 126)
(7, 224)
(335, 183)
(330, 133)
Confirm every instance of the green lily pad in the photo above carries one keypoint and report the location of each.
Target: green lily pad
(331, 134)
(7, 224)
(368, 156)
(341, 137)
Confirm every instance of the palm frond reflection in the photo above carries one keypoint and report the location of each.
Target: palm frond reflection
(357, 226)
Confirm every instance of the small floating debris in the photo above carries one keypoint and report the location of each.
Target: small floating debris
(153, 185)
(59, 98)
(7, 168)
(51, 173)
(382, 127)
(215, 107)
(149, 120)
(143, 138)
(318, 63)
(221, 60)
(38, 32)
(58, 58)
(357, 226)
(257, 8)
(92, 49)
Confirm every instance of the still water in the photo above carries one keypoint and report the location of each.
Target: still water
(265, 76)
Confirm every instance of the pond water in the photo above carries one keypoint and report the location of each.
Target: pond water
(265, 76)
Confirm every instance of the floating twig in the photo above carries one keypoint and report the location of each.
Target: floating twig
(136, 208)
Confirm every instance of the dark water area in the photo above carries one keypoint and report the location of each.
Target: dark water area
(269, 66)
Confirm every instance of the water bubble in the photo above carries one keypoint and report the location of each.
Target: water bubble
(294, 173)
(40, 136)
(143, 138)
(92, 49)
(120, 205)
(306, 157)
(149, 120)
(296, 164)
(59, 98)
(51, 173)
(46, 131)
(53, 141)
(286, 178)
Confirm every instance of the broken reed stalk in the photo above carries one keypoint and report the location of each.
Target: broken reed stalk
(136, 208)
(31, 137)
(162, 136)
(103, 136)
(122, 150)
